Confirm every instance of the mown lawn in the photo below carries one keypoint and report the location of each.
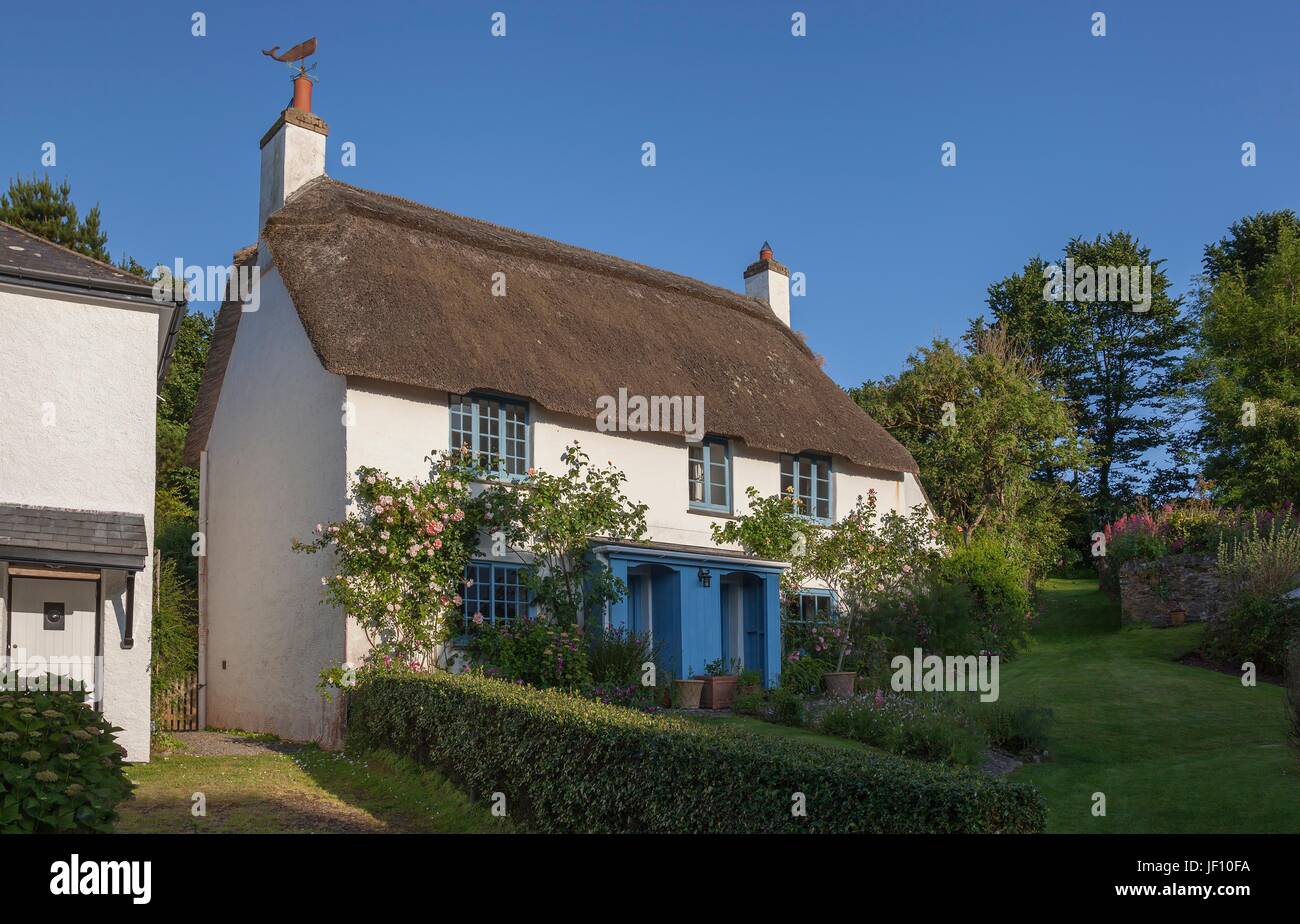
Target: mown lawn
(303, 791)
(1173, 748)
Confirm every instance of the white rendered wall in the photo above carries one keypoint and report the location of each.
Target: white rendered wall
(276, 468)
(77, 418)
(394, 429)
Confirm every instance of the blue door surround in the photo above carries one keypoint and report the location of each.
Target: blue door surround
(688, 618)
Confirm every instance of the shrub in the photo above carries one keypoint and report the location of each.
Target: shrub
(943, 616)
(535, 651)
(60, 766)
(1018, 729)
(175, 633)
(616, 655)
(1263, 560)
(1000, 585)
(569, 765)
(802, 673)
(787, 708)
(1255, 629)
(750, 703)
(928, 728)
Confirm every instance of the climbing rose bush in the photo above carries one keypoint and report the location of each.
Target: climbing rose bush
(401, 557)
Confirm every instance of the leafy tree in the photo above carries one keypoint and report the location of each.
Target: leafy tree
(176, 406)
(1249, 245)
(1248, 360)
(990, 438)
(552, 521)
(1117, 367)
(38, 206)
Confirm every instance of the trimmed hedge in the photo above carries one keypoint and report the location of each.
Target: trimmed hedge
(570, 765)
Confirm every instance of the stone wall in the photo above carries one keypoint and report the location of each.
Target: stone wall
(1150, 590)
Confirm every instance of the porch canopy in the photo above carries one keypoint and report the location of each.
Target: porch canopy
(62, 536)
(700, 604)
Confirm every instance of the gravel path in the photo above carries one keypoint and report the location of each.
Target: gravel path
(226, 744)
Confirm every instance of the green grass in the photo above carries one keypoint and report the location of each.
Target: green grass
(1173, 748)
(304, 791)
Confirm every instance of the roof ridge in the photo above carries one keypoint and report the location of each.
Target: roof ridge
(593, 261)
(127, 276)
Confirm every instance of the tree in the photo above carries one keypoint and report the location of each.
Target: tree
(38, 206)
(1248, 246)
(1248, 361)
(176, 403)
(1116, 365)
(990, 438)
(552, 520)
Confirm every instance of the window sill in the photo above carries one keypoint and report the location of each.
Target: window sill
(710, 512)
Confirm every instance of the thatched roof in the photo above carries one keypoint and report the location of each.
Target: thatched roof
(396, 291)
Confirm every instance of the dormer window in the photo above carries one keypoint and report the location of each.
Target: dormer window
(708, 473)
(495, 430)
(807, 479)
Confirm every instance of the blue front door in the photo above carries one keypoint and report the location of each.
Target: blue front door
(755, 634)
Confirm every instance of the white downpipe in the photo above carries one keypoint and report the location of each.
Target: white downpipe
(203, 590)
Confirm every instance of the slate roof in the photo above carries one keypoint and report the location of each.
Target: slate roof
(25, 255)
(399, 292)
(58, 535)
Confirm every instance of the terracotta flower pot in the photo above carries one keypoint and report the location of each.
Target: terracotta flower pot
(718, 693)
(688, 693)
(839, 684)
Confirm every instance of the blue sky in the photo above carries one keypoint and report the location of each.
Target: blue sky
(827, 145)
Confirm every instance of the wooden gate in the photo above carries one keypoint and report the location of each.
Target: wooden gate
(178, 709)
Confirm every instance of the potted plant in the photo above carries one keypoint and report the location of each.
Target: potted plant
(839, 684)
(686, 693)
(719, 681)
(749, 681)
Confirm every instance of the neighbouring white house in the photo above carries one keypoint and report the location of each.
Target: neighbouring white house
(386, 329)
(83, 348)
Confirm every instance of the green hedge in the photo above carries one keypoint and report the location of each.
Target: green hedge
(571, 765)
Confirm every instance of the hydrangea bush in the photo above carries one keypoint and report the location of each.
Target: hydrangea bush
(60, 766)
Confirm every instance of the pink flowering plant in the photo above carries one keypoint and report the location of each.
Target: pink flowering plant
(399, 558)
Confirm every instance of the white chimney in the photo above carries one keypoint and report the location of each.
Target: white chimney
(293, 151)
(770, 281)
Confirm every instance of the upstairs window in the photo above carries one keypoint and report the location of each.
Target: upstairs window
(808, 480)
(708, 473)
(495, 430)
(496, 592)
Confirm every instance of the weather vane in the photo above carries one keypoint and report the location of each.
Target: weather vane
(296, 54)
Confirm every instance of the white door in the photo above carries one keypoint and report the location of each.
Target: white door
(53, 627)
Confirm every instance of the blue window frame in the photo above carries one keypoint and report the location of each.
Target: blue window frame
(496, 591)
(808, 479)
(708, 473)
(814, 607)
(495, 429)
